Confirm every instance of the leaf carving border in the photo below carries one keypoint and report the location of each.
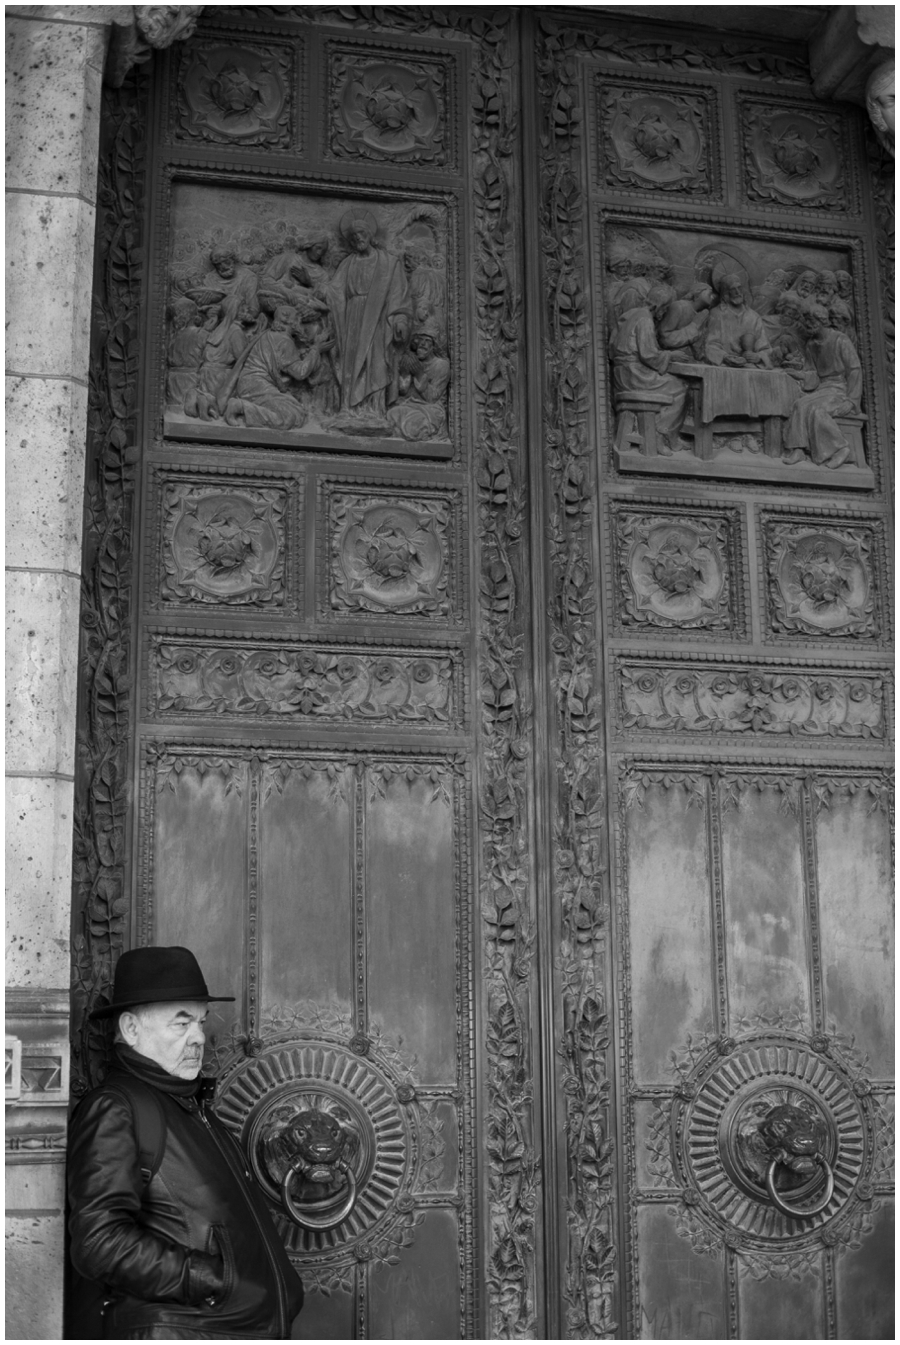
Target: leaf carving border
(103, 750)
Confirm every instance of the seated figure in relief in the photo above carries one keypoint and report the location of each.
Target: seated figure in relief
(641, 365)
(422, 384)
(187, 341)
(812, 428)
(219, 359)
(683, 324)
(261, 392)
(735, 334)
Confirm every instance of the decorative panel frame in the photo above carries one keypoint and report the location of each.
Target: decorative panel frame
(755, 467)
(263, 187)
(379, 554)
(844, 576)
(759, 185)
(202, 102)
(698, 130)
(816, 703)
(399, 111)
(677, 566)
(278, 499)
(230, 677)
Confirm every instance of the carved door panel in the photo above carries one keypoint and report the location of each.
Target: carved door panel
(710, 232)
(485, 657)
(307, 235)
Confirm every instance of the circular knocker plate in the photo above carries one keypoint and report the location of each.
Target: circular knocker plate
(770, 1140)
(328, 1139)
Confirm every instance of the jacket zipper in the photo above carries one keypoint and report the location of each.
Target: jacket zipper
(282, 1305)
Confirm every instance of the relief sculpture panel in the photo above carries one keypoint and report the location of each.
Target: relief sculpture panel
(231, 679)
(389, 553)
(390, 108)
(793, 155)
(820, 578)
(735, 358)
(235, 93)
(223, 545)
(678, 570)
(309, 321)
(658, 138)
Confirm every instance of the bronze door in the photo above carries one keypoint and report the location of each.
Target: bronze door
(506, 736)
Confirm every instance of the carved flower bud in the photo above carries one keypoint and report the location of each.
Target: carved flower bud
(422, 671)
(858, 691)
(647, 682)
(360, 1044)
(684, 685)
(406, 1093)
(186, 663)
(405, 1204)
(790, 689)
(690, 1196)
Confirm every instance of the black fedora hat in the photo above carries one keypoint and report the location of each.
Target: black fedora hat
(156, 976)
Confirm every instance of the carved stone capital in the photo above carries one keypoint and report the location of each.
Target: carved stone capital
(851, 57)
(143, 29)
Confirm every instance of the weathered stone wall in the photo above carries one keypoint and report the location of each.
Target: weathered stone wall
(55, 58)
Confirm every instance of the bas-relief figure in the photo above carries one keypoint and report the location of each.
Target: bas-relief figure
(712, 354)
(880, 104)
(333, 321)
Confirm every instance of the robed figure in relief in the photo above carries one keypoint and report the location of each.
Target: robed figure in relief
(367, 288)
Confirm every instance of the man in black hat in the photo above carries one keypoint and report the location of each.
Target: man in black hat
(182, 1240)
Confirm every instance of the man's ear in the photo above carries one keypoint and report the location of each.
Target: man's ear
(128, 1027)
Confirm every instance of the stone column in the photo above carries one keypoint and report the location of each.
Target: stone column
(55, 57)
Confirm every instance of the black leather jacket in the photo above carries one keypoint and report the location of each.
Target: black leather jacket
(196, 1250)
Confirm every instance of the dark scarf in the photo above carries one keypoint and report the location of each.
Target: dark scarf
(142, 1067)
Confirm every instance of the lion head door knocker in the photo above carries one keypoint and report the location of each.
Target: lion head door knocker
(332, 1137)
(309, 1148)
(777, 1145)
(774, 1139)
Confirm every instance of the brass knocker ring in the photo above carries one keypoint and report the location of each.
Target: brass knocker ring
(317, 1214)
(790, 1210)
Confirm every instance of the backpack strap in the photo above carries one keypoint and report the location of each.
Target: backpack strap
(149, 1120)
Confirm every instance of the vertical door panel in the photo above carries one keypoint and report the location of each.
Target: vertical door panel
(765, 941)
(198, 854)
(668, 926)
(305, 878)
(411, 919)
(682, 1294)
(853, 848)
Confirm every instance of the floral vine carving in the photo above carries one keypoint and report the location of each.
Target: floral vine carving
(99, 903)
(580, 842)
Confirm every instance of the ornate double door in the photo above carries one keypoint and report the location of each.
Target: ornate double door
(492, 694)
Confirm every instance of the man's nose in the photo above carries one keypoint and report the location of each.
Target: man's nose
(197, 1036)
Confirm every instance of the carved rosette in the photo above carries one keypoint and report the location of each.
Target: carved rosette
(260, 1094)
(719, 1158)
(223, 678)
(675, 571)
(655, 139)
(793, 156)
(820, 580)
(223, 546)
(390, 556)
(814, 703)
(234, 93)
(387, 108)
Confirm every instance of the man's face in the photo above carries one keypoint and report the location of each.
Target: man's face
(224, 266)
(170, 1034)
(734, 293)
(360, 238)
